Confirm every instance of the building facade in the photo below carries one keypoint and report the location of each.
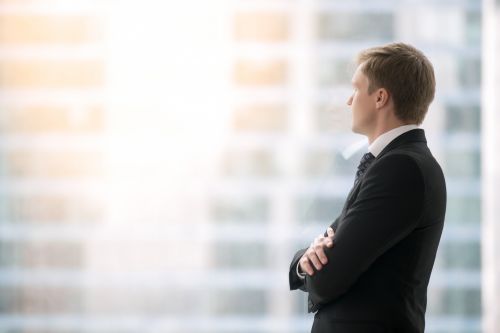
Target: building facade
(161, 163)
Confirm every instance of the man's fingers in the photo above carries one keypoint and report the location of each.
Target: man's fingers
(320, 252)
(328, 240)
(318, 246)
(311, 254)
(305, 265)
(315, 256)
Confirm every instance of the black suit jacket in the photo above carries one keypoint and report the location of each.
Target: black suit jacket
(384, 245)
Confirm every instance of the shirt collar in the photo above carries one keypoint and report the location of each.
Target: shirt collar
(384, 139)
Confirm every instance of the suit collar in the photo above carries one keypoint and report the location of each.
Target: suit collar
(415, 135)
(384, 139)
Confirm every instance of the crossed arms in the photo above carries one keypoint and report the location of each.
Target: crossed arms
(387, 208)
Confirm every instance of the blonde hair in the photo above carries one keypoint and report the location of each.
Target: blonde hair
(406, 73)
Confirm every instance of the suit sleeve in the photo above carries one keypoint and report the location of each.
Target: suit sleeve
(334, 226)
(387, 209)
(294, 281)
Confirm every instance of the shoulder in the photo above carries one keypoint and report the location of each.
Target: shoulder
(397, 169)
(397, 161)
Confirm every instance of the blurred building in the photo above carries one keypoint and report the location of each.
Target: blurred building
(301, 66)
(51, 160)
(160, 163)
(490, 167)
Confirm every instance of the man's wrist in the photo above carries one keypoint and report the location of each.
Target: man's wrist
(299, 273)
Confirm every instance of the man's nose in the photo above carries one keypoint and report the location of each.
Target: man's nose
(349, 101)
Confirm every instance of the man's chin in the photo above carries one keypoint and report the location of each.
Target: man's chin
(357, 129)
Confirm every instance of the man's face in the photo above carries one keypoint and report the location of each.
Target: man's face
(362, 104)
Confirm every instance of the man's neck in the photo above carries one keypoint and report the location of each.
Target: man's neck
(384, 127)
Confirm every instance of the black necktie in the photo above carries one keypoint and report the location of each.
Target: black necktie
(363, 165)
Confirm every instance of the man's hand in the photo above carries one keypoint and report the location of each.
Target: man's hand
(315, 254)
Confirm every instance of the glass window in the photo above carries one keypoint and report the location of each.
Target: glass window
(49, 208)
(238, 302)
(40, 300)
(254, 73)
(355, 26)
(321, 163)
(473, 32)
(239, 255)
(240, 209)
(461, 255)
(314, 209)
(60, 165)
(462, 164)
(29, 29)
(300, 305)
(47, 119)
(463, 209)
(262, 26)
(469, 72)
(261, 118)
(51, 74)
(332, 72)
(255, 163)
(455, 301)
(332, 119)
(159, 130)
(463, 118)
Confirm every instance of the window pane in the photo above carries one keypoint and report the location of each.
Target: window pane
(355, 26)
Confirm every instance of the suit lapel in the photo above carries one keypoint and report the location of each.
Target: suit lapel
(416, 135)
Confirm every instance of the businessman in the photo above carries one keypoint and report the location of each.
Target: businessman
(368, 273)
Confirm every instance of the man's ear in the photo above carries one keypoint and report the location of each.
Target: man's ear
(381, 98)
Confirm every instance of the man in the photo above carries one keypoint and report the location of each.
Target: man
(369, 272)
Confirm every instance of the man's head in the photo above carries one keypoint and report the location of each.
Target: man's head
(395, 78)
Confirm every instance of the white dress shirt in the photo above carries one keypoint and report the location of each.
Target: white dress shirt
(376, 148)
(384, 139)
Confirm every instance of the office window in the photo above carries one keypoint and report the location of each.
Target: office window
(261, 26)
(40, 300)
(334, 72)
(51, 74)
(240, 255)
(254, 73)
(51, 255)
(122, 300)
(153, 154)
(469, 72)
(464, 209)
(469, 258)
(250, 164)
(473, 33)
(39, 29)
(462, 164)
(57, 165)
(238, 302)
(332, 118)
(322, 163)
(355, 26)
(318, 209)
(455, 301)
(261, 118)
(463, 118)
(236, 210)
(50, 119)
(51, 209)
